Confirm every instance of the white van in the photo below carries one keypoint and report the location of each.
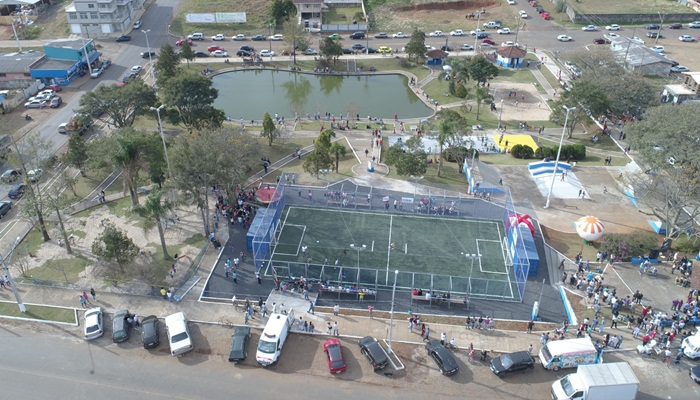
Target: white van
(691, 346)
(196, 36)
(273, 337)
(178, 334)
(570, 353)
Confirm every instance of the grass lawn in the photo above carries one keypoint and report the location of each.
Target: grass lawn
(162, 267)
(257, 16)
(304, 178)
(451, 178)
(43, 313)
(85, 185)
(630, 7)
(341, 15)
(60, 270)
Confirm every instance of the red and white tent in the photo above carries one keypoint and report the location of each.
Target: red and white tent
(590, 228)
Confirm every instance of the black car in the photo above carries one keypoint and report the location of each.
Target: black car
(149, 332)
(121, 327)
(512, 362)
(654, 35)
(148, 54)
(347, 51)
(357, 35)
(540, 10)
(5, 207)
(124, 38)
(374, 352)
(244, 53)
(445, 47)
(239, 344)
(201, 54)
(248, 48)
(482, 35)
(695, 373)
(358, 46)
(444, 359)
(371, 50)
(653, 26)
(17, 191)
(258, 37)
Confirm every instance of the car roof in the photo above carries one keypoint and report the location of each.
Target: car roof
(520, 356)
(241, 331)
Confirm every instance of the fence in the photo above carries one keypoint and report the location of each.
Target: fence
(267, 222)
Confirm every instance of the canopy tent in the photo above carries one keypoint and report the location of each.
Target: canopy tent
(19, 2)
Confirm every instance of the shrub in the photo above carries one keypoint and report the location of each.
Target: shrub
(522, 151)
(461, 91)
(451, 87)
(454, 154)
(688, 244)
(629, 245)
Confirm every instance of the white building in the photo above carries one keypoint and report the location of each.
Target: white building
(98, 18)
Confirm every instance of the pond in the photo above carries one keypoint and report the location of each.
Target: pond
(248, 94)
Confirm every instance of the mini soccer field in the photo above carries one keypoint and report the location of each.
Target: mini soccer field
(445, 254)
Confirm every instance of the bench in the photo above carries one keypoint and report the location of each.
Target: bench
(325, 171)
(435, 300)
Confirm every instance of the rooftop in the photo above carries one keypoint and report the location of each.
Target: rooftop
(19, 62)
(679, 90)
(75, 44)
(53, 64)
(511, 52)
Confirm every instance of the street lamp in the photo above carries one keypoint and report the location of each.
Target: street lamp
(500, 114)
(87, 59)
(150, 58)
(358, 248)
(391, 313)
(556, 163)
(165, 148)
(270, 37)
(11, 281)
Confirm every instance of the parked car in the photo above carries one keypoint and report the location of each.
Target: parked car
(201, 54)
(34, 174)
(124, 38)
(310, 52)
(476, 32)
(357, 35)
(679, 68)
(218, 37)
(384, 49)
(686, 38)
(381, 35)
(247, 48)
(183, 41)
(457, 32)
(55, 102)
(214, 48)
(373, 351)
(239, 37)
(613, 27)
(504, 31)
(93, 323)
(466, 46)
(120, 326)
(507, 363)
(196, 36)
(511, 2)
(136, 69)
(482, 35)
(400, 35)
(652, 27)
(601, 41)
(564, 38)
(435, 34)
(334, 353)
(148, 54)
(442, 356)
(258, 37)
(487, 42)
(10, 175)
(54, 87)
(371, 50)
(239, 344)
(149, 332)
(347, 50)
(335, 36)
(508, 44)
(654, 35)
(523, 14)
(358, 46)
(267, 53)
(278, 37)
(695, 373)
(694, 24)
(219, 53)
(675, 26)
(446, 47)
(137, 24)
(5, 207)
(17, 191)
(243, 53)
(589, 28)
(658, 49)
(96, 73)
(36, 103)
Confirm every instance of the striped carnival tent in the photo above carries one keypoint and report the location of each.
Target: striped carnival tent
(589, 228)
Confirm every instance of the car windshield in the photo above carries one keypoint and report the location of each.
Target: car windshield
(567, 386)
(267, 347)
(506, 361)
(92, 328)
(545, 352)
(179, 337)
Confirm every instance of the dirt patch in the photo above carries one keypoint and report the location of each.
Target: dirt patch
(453, 5)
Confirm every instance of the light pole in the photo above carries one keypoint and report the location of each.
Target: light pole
(476, 37)
(358, 248)
(556, 163)
(22, 308)
(165, 147)
(19, 44)
(391, 313)
(150, 58)
(660, 27)
(270, 37)
(87, 59)
(500, 114)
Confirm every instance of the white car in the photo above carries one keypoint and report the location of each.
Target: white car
(679, 68)
(466, 47)
(218, 37)
(427, 47)
(136, 69)
(267, 53)
(564, 38)
(613, 27)
(278, 37)
(612, 35)
(96, 72)
(399, 35)
(436, 34)
(657, 49)
(589, 28)
(686, 38)
(523, 14)
(694, 24)
(476, 32)
(34, 174)
(457, 32)
(48, 92)
(219, 53)
(239, 37)
(504, 31)
(511, 2)
(94, 323)
(508, 44)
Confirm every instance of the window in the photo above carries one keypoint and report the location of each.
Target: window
(83, 15)
(27, 74)
(2, 75)
(91, 6)
(72, 16)
(93, 16)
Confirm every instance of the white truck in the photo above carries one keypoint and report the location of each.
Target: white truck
(273, 337)
(612, 381)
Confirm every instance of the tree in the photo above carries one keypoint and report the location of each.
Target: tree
(77, 154)
(338, 151)
(482, 96)
(269, 130)
(116, 105)
(481, 70)
(330, 49)
(408, 158)
(416, 45)
(155, 210)
(282, 10)
(193, 97)
(296, 38)
(116, 249)
(588, 97)
(320, 157)
(167, 63)
(445, 130)
(56, 201)
(187, 53)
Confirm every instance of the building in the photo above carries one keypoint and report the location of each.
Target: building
(633, 55)
(310, 12)
(689, 90)
(436, 57)
(15, 69)
(510, 56)
(100, 18)
(310, 15)
(65, 60)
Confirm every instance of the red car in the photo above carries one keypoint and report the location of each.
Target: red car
(336, 363)
(54, 87)
(488, 42)
(545, 15)
(214, 48)
(182, 41)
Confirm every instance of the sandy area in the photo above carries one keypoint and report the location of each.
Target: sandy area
(531, 105)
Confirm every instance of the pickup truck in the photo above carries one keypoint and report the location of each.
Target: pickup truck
(78, 124)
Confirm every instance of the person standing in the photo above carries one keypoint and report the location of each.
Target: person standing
(93, 294)
(530, 325)
(370, 309)
(443, 337)
(163, 293)
(328, 328)
(311, 307)
(283, 310)
(336, 310)
(335, 329)
(529, 349)
(426, 338)
(235, 277)
(263, 307)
